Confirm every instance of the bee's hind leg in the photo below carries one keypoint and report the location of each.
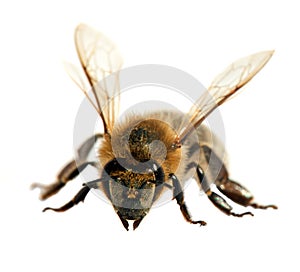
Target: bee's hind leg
(215, 198)
(239, 194)
(233, 190)
(70, 171)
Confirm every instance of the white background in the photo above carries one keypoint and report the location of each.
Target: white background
(39, 103)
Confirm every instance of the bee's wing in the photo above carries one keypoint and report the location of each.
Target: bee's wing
(99, 59)
(223, 87)
(81, 81)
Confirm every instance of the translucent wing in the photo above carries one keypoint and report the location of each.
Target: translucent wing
(81, 81)
(101, 64)
(224, 86)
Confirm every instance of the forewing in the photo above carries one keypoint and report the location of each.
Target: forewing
(101, 63)
(81, 81)
(224, 86)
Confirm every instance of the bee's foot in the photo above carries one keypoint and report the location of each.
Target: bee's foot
(241, 214)
(264, 207)
(47, 190)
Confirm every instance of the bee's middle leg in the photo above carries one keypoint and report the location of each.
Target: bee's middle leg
(70, 171)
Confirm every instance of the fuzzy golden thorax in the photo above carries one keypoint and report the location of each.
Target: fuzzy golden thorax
(139, 141)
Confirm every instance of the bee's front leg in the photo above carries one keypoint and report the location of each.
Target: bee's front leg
(80, 196)
(179, 196)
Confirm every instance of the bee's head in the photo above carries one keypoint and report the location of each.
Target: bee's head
(132, 188)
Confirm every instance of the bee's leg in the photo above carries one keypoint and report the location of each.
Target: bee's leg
(233, 190)
(86, 147)
(179, 196)
(80, 196)
(70, 170)
(216, 199)
(239, 194)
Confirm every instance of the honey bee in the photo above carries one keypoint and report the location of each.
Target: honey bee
(142, 156)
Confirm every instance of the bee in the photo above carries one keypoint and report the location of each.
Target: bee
(143, 156)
